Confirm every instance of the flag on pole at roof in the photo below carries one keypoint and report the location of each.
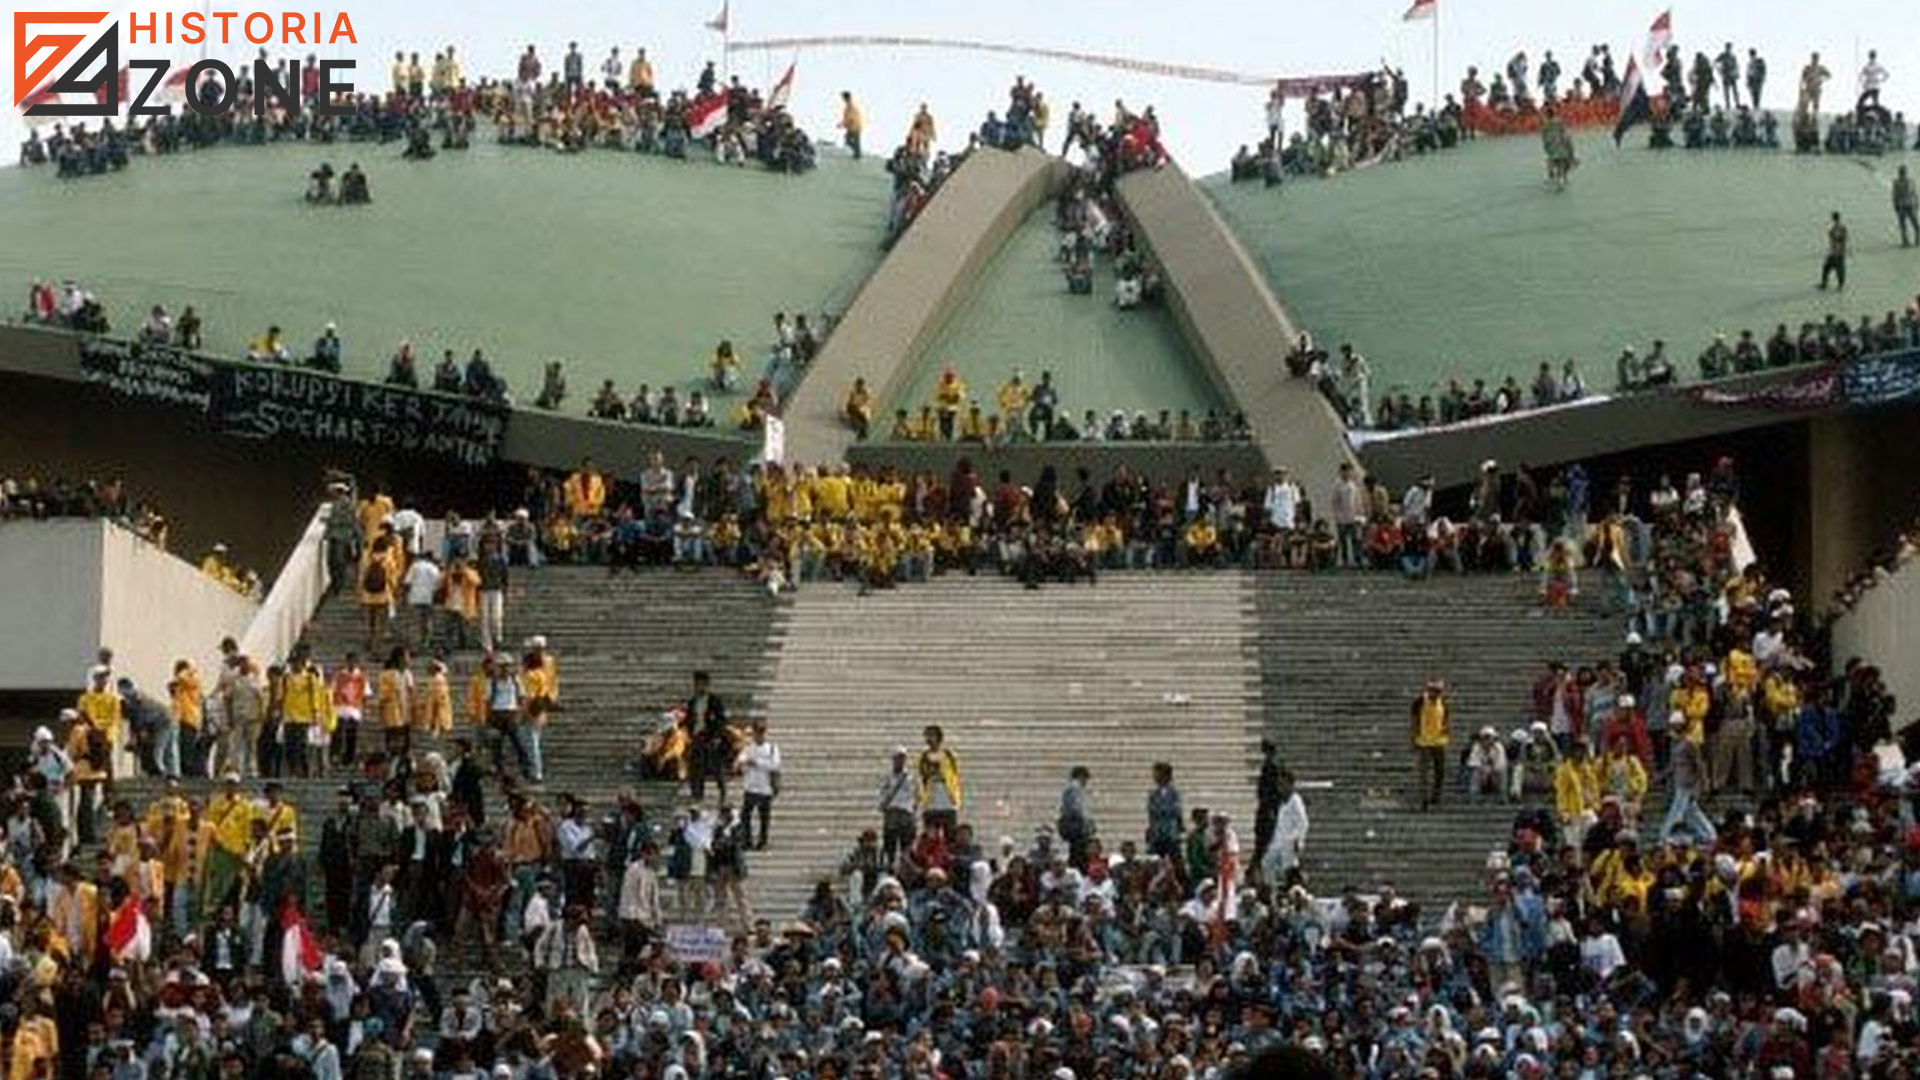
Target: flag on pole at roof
(718, 24)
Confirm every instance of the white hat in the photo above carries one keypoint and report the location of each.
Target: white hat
(41, 734)
(1627, 701)
(1633, 637)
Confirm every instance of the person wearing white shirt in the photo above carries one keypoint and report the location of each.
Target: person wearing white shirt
(612, 70)
(1872, 78)
(422, 581)
(1417, 502)
(410, 527)
(760, 764)
(1600, 952)
(1283, 502)
(640, 915)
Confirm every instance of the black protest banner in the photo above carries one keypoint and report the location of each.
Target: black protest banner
(147, 372)
(269, 402)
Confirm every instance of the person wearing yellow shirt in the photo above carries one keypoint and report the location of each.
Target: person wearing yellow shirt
(393, 701)
(123, 842)
(859, 409)
(724, 368)
(1013, 397)
(800, 498)
(187, 698)
(1624, 777)
(921, 136)
(949, 394)
(437, 716)
(102, 706)
(307, 714)
(169, 824)
(640, 75)
(1200, 543)
(229, 820)
(1431, 717)
(1741, 671)
(1689, 703)
(851, 122)
(585, 491)
(1576, 794)
(378, 582)
(462, 602)
(833, 494)
(938, 794)
(974, 427)
(278, 816)
(375, 510)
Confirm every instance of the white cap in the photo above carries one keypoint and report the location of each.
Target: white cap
(41, 734)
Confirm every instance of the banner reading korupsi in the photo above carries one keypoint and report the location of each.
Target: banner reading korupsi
(265, 403)
(258, 402)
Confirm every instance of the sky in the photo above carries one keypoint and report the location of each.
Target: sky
(1202, 123)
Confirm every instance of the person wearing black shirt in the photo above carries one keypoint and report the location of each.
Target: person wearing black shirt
(1268, 793)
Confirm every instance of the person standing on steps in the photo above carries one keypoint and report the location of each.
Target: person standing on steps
(760, 768)
(939, 792)
(1905, 204)
(1075, 823)
(899, 800)
(1280, 859)
(1836, 264)
(1431, 715)
(1166, 815)
(1267, 795)
(712, 739)
(493, 592)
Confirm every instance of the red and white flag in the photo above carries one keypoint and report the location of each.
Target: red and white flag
(719, 23)
(299, 952)
(129, 936)
(707, 115)
(782, 91)
(1421, 9)
(42, 96)
(1659, 38)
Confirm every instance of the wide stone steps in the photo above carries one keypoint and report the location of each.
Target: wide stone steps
(1142, 667)
(1342, 655)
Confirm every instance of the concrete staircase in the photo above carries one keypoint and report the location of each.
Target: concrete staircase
(627, 647)
(1342, 655)
(1138, 669)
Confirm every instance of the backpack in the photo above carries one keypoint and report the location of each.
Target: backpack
(374, 580)
(97, 749)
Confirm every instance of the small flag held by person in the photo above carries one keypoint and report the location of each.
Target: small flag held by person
(1421, 9)
(782, 91)
(1634, 106)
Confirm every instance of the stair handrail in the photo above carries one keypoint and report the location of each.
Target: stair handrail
(296, 594)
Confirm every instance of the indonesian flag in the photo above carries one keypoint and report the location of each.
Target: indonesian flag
(718, 24)
(1421, 9)
(782, 91)
(299, 953)
(1659, 38)
(129, 936)
(1634, 105)
(177, 83)
(706, 115)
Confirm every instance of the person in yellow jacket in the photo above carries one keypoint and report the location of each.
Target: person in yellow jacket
(948, 397)
(851, 123)
(102, 706)
(858, 409)
(279, 816)
(1576, 792)
(73, 909)
(375, 510)
(832, 494)
(307, 715)
(939, 794)
(169, 824)
(477, 687)
(228, 823)
(36, 1045)
(1012, 399)
(1622, 776)
(378, 582)
(187, 696)
(585, 491)
(437, 714)
(1741, 671)
(1690, 702)
(393, 701)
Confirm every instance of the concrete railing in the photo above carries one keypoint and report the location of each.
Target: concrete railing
(1883, 629)
(296, 594)
(73, 586)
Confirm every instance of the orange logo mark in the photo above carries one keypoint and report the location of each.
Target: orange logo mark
(24, 48)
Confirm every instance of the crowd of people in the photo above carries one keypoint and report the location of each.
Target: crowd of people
(1346, 379)
(212, 935)
(33, 498)
(1032, 412)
